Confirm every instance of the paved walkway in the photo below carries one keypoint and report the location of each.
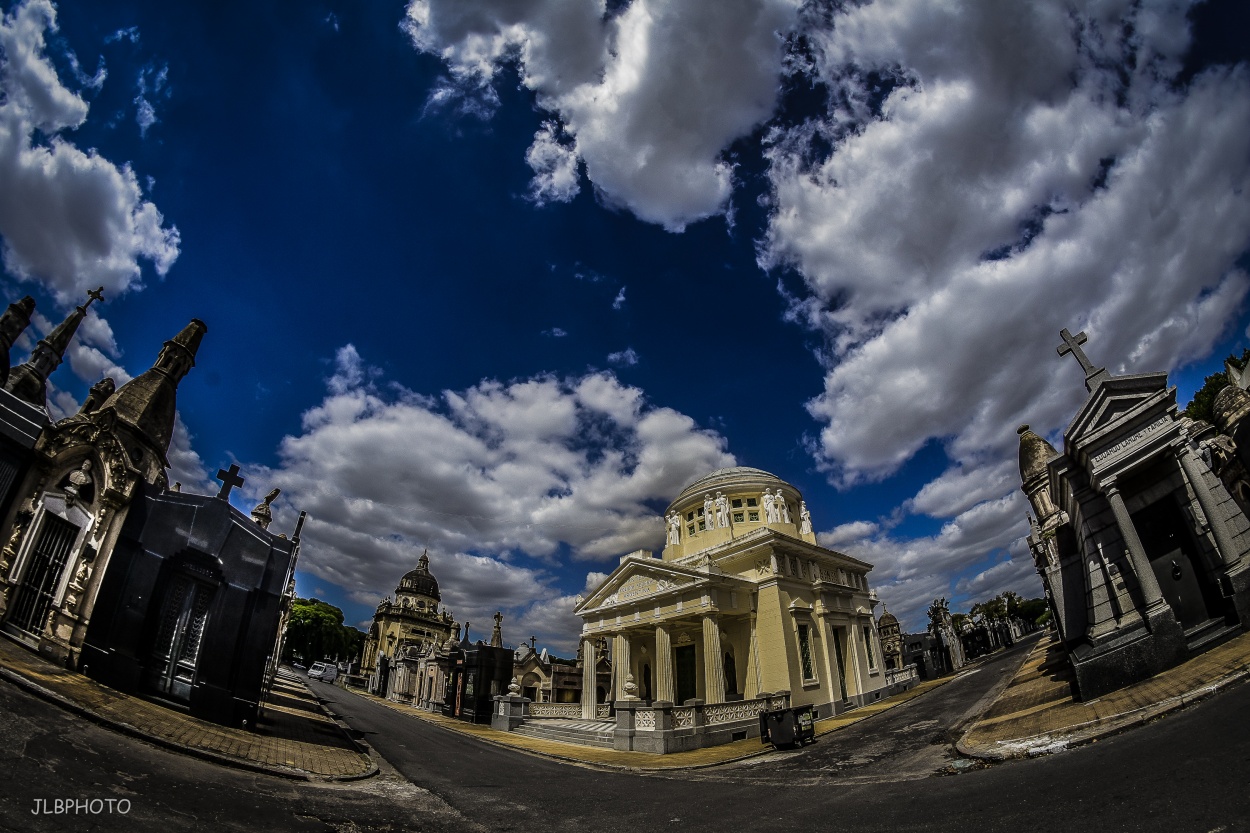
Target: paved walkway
(294, 737)
(612, 759)
(1036, 715)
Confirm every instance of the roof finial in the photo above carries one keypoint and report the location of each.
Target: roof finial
(1072, 344)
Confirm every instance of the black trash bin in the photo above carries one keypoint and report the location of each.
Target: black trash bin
(788, 727)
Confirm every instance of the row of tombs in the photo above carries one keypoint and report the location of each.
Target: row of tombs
(1141, 538)
(1140, 534)
(742, 611)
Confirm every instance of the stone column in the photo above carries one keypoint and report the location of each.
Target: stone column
(713, 662)
(620, 665)
(590, 679)
(1210, 507)
(1136, 552)
(664, 685)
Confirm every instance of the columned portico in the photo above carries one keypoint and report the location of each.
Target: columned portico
(589, 678)
(664, 689)
(713, 662)
(1226, 547)
(1151, 593)
(620, 665)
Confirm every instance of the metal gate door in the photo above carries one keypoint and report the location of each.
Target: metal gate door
(42, 574)
(176, 651)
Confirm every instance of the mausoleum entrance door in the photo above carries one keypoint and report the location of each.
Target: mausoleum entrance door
(180, 632)
(42, 574)
(684, 673)
(1174, 558)
(836, 635)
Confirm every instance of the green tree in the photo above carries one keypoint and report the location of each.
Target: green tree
(1201, 405)
(315, 631)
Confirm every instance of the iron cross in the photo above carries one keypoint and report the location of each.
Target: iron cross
(95, 295)
(229, 479)
(1072, 344)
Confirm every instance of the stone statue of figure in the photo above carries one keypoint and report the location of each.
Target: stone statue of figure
(263, 514)
(674, 528)
(805, 519)
(78, 478)
(770, 508)
(782, 508)
(722, 510)
(708, 510)
(496, 634)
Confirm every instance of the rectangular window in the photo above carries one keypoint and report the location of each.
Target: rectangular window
(690, 516)
(872, 660)
(702, 525)
(690, 529)
(737, 503)
(753, 516)
(738, 517)
(805, 653)
(752, 502)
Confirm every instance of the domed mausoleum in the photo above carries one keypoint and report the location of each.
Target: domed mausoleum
(410, 622)
(743, 604)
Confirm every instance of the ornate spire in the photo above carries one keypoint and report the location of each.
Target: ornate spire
(29, 381)
(15, 320)
(147, 402)
(423, 563)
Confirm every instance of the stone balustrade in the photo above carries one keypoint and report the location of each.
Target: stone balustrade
(564, 711)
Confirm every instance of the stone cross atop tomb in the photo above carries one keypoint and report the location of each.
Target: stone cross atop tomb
(229, 479)
(1072, 344)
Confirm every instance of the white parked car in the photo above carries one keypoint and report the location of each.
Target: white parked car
(324, 671)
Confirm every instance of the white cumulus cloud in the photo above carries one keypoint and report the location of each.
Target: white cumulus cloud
(69, 218)
(650, 96)
(502, 482)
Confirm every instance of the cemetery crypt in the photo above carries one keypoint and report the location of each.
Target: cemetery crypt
(107, 569)
(1140, 531)
(742, 605)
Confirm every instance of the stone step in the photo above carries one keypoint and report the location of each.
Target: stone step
(582, 732)
(1209, 634)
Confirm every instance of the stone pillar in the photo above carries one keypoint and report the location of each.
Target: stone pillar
(1210, 507)
(1136, 552)
(665, 689)
(590, 679)
(713, 662)
(620, 665)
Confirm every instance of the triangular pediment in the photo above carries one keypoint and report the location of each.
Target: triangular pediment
(637, 579)
(1117, 403)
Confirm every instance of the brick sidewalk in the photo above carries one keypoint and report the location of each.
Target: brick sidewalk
(612, 759)
(294, 737)
(1036, 713)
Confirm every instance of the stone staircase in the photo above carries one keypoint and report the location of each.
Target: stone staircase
(581, 732)
(1208, 634)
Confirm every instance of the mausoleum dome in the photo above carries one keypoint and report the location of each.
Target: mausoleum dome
(419, 581)
(730, 478)
(1035, 453)
(1230, 407)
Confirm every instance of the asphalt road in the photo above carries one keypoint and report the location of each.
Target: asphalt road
(892, 772)
(1186, 772)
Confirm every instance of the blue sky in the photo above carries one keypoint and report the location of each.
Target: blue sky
(499, 278)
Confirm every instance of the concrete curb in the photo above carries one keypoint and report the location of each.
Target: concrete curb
(1082, 733)
(204, 754)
